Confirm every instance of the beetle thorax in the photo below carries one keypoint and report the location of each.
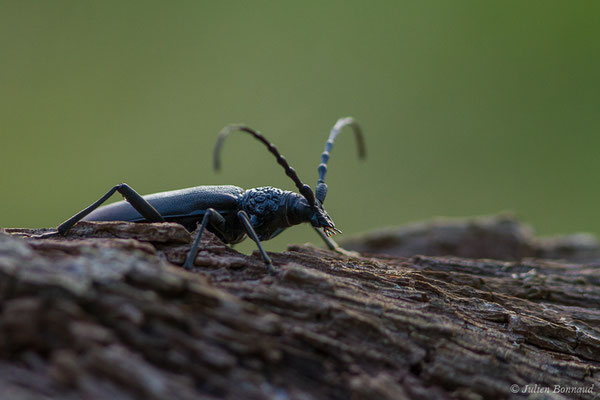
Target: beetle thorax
(267, 209)
(265, 202)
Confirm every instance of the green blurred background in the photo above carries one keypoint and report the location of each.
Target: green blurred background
(468, 107)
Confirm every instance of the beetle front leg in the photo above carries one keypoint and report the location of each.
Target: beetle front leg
(243, 216)
(215, 220)
(332, 245)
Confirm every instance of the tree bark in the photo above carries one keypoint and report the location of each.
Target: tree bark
(499, 237)
(107, 313)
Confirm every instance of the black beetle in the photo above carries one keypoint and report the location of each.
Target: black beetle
(230, 212)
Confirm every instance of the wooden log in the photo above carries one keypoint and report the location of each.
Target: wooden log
(116, 318)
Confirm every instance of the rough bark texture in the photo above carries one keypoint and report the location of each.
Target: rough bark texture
(499, 237)
(106, 313)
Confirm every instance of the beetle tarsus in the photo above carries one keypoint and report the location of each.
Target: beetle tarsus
(332, 245)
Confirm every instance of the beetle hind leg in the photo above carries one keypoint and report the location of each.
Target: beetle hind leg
(138, 202)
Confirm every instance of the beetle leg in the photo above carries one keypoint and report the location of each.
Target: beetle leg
(138, 202)
(243, 216)
(332, 245)
(211, 215)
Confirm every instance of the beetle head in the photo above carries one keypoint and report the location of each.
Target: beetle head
(320, 219)
(302, 211)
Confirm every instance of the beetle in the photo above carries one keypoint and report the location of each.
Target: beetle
(230, 212)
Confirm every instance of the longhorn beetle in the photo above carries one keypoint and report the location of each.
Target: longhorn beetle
(230, 212)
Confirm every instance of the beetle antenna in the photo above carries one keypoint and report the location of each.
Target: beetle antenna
(304, 189)
(321, 189)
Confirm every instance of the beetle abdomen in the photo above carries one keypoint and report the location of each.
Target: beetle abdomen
(175, 203)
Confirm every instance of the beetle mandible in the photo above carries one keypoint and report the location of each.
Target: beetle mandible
(230, 212)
